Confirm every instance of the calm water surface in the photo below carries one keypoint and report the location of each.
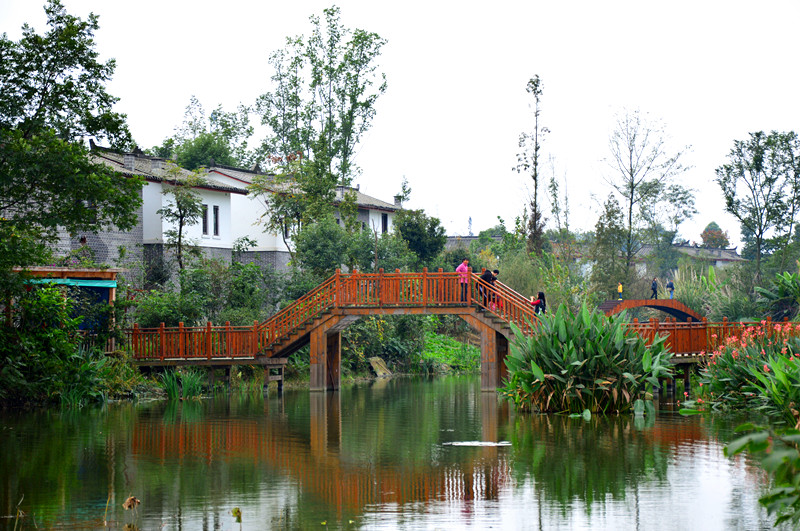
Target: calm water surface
(403, 453)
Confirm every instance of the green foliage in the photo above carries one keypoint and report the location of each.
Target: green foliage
(608, 266)
(183, 383)
(711, 296)
(779, 452)
(53, 96)
(184, 208)
(205, 150)
(41, 353)
(221, 138)
(325, 87)
(321, 247)
(782, 298)
(757, 371)
(171, 308)
(582, 360)
(761, 187)
(213, 291)
(424, 235)
(444, 354)
(714, 237)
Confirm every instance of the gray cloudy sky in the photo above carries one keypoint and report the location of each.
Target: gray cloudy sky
(713, 71)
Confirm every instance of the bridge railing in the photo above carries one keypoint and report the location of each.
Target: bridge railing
(192, 342)
(695, 337)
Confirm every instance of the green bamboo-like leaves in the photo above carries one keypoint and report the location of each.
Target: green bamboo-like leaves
(582, 361)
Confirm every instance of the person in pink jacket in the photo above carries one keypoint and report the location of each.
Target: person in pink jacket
(463, 278)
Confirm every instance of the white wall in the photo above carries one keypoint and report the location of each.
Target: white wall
(194, 232)
(152, 231)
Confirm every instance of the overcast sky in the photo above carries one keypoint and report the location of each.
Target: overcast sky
(713, 71)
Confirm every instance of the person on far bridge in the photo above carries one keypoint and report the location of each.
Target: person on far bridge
(463, 278)
(654, 288)
(670, 289)
(619, 291)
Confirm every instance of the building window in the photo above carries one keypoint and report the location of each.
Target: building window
(384, 222)
(205, 220)
(216, 220)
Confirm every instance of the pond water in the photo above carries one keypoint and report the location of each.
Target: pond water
(392, 454)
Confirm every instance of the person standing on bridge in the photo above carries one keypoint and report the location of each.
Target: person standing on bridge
(488, 277)
(654, 288)
(540, 303)
(619, 290)
(463, 278)
(670, 289)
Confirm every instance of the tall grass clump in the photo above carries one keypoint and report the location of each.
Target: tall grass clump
(192, 383)
(757, 369)
(170, 382)
(583, 360)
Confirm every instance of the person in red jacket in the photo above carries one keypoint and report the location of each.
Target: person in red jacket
(540, 303)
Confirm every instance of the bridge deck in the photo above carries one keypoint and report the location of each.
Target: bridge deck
(343, 298)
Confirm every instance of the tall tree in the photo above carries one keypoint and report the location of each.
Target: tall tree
(528, 163)
(425, 235)
(642, 169)
(220, 138)
(714, 237)
(325, 87)
(609, 266)
(52, 97)
(760, 188)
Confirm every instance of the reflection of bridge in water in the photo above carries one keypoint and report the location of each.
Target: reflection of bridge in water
(316, 463)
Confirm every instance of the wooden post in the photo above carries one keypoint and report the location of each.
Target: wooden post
(181, 340)
(336, 287)
(135, 341)
(424, 287)
(162, 336)
(380, 289)
(228, 339)
(254, 340)
(208, 340)
(469, 286)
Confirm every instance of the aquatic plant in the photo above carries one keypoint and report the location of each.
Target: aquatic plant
(779, 451)
(583, 360)
(170, 382)
(191, 383)
(757, 369)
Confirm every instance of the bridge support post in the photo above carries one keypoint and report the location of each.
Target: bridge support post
(494, 349)
(325, 358)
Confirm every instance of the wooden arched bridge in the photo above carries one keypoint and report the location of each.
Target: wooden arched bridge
(319, 317)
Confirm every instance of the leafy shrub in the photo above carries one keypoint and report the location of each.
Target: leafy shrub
(758, 369)
(443, 353)
(782, 298)
(583, 360)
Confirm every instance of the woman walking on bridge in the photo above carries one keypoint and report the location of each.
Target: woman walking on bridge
(654, 288)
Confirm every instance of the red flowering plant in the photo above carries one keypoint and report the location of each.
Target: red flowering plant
(757, 369)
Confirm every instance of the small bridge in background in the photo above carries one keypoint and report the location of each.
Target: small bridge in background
(675, 309)
(318, 318)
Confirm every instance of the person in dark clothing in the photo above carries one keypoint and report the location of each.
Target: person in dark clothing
(489, 277)
(540, 303)
(654, 288)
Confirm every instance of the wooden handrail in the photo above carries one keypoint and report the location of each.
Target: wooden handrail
(425, 290)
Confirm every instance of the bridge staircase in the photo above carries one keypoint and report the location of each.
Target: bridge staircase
(318, 318)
